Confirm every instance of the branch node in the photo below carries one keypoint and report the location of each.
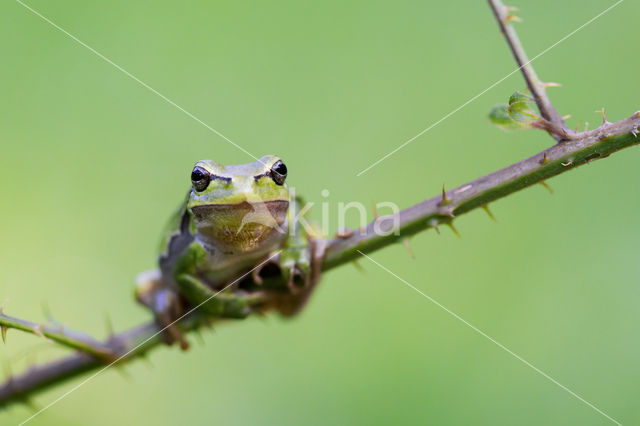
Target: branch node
(537, 88)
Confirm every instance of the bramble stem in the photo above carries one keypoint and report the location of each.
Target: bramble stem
(537, 87)
(558, 159)
(61, 335)
(578, 149)
(599, 143)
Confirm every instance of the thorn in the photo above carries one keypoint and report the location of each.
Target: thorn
(543, 183)
(545, 159)
(124, 373)
(375, 210)
(46, 312)
(38, 330)
(634, 132)
(108, 324)
(445, 199)
(405, 243)
(568, 163)
(604, 116)
(3, 305)
(434, 224)
(566, 117)
(199, 337)
(577, 126)
(6, 366)
(586, 126)
(512, 18)
(486, 209)
(448, 212)
(551, 84)
(453, 228)
(29, 403)
(4, 329)
(145, 358)
(358, 266)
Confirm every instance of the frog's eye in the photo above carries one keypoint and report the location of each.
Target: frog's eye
(278, 173)
(200, 178)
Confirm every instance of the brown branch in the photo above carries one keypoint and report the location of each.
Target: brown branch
(58, 334)
(537, 87)
(578, 149)
(597, 144)
(560, 158)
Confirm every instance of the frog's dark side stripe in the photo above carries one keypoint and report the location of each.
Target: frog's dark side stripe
(178, 242)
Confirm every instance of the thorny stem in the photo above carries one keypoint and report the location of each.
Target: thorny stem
(578, 149)
(537, 87)
(599, 143)
(59, 334)
(560, 158)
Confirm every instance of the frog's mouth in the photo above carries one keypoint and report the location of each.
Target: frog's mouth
(245, 226)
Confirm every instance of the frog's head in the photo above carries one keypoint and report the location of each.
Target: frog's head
(239, 208)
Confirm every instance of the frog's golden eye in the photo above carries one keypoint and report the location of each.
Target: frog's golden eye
(200, 179)
(278, 172)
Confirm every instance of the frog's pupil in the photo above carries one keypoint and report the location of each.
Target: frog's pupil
(279, 172)
(197, 175)
(200, 179)
(281, 169)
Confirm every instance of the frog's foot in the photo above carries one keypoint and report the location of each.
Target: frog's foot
(312, 272)
(272, 261)
(292, 264)
(164, 303)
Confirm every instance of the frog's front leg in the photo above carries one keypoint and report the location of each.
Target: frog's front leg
(229, 303)
(294, 259)
(165, 304)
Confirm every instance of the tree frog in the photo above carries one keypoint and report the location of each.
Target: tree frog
(237, 224)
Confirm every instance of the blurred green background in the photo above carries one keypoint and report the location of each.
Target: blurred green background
(92, 164)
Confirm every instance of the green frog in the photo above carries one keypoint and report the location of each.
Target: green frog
(238, 226)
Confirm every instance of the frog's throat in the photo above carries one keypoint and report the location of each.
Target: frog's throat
(242, 227)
